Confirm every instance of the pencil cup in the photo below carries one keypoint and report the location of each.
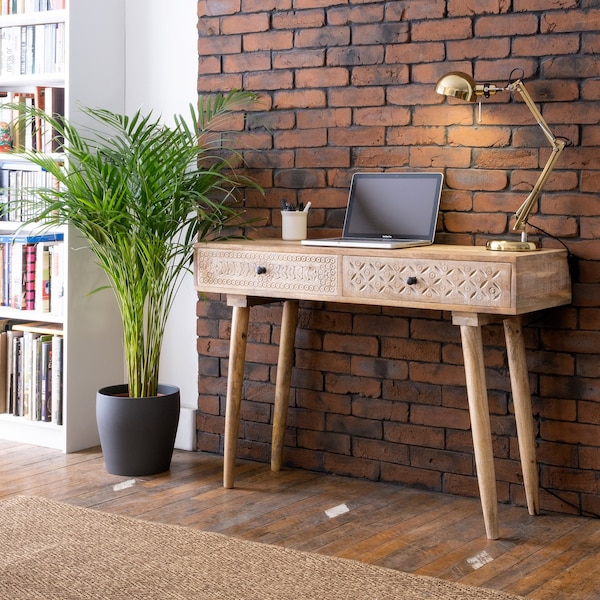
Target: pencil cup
(293, 224)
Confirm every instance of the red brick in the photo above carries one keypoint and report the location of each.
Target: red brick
(341, 384)
(299, 99)
(395, 473)
(300, 138)
(335, 117)
(298, 59)
(362, 13)
(513, 25)
(469, 49)
(328, 441)
(322, 37)
(352, 466)
(424, 393)
(442, 29)
(248, 62)
(322, 77)
(380, 33)
(479, 7)
(357, 136)
(270, 40)
(298, 19)
(440, 460)
(415, 53)
(218, 7)
(380, 451)
(437, 416)
(244, 23)
(539, 45)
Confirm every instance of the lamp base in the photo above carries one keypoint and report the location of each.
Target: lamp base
(508, 246)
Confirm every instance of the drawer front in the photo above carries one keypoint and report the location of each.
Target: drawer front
(463, 283)
(276, 272)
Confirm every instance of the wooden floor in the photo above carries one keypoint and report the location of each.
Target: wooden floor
(544, 557)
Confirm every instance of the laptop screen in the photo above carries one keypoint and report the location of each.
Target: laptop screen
(393, 205)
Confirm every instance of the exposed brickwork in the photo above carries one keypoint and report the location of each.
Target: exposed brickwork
(348, 85)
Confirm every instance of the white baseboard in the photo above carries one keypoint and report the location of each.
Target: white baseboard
(186, 431)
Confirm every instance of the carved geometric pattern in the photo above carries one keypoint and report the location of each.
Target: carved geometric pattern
(282, 271)
(432, 281)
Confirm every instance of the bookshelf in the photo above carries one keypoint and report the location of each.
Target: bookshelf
(91, 74)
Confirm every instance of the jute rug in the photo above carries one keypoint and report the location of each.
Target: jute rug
(55, 551)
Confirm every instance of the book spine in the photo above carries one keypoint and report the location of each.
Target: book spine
(57, 379)
(17, 276)
(46, 380)
(56, 279)
(42, 278)
(30, 260)
(7, 277)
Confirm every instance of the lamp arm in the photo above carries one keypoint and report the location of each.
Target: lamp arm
(558, 145)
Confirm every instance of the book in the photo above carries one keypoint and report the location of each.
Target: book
(57, 379)
(16, 375)
(42, 277)
(46, 379)
(3, 369)
(30, 255)
(56, 279)
(16, 282)
(10, 383)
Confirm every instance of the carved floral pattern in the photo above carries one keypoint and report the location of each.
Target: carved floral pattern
(282, 271)
(453, 283)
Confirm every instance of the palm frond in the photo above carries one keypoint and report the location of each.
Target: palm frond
(142, 193)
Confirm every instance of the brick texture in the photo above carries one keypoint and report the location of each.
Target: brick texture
(348, 85)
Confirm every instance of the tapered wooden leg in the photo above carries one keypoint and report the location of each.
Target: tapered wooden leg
(480, 425)
(289, 323)
(235, 380)
(519, 380)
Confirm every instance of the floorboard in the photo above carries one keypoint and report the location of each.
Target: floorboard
(550, 556)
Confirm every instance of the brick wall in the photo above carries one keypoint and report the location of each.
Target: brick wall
(349, 85)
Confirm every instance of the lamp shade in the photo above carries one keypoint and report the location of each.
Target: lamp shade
(457, 84)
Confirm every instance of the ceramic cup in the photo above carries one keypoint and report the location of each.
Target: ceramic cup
(293, 224)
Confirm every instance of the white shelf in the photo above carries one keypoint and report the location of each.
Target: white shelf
(28, 83)
(92, 332)
(29, 315)
(35, 18)
(38, 433)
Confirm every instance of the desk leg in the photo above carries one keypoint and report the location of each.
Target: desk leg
(480, 425)
(235, 380)
(289, 323)
(523, 414)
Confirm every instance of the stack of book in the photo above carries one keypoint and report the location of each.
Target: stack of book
(32, 49)
(32, 276)
(18, 181)
(32, 134)
(31, 374)
(18, 7)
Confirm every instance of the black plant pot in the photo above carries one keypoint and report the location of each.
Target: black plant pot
(137, 435)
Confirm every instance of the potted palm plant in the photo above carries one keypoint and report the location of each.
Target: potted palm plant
(141, 194)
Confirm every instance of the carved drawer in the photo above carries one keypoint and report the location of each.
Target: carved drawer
(452, 282)
(271, 274)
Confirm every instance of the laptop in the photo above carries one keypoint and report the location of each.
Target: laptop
(389, 210)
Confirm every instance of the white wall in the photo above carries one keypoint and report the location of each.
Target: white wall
(161, 74)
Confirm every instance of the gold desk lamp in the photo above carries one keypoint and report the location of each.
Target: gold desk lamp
(460, 85)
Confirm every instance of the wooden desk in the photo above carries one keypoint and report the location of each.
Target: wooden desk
(476, 285)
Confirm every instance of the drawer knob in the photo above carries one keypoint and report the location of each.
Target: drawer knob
(261, 270)
(411, 280)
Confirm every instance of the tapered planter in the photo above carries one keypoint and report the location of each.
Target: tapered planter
(137, 435)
